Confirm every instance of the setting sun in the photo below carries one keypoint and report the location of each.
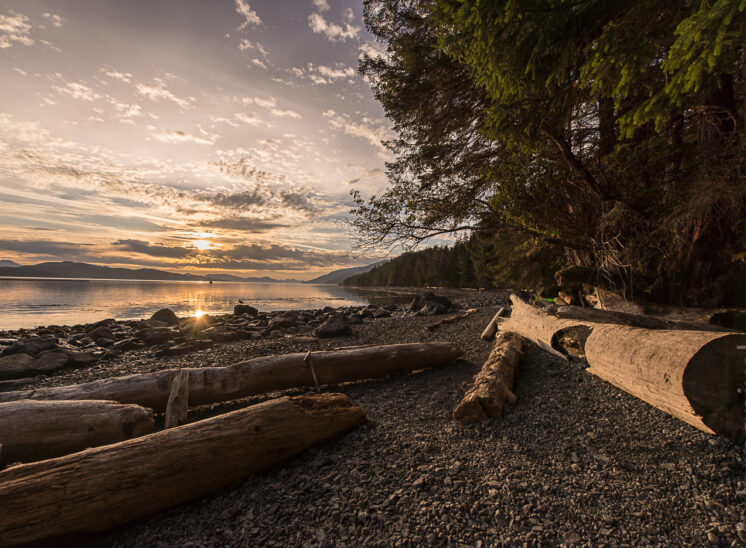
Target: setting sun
(199, 313)
(203, 245)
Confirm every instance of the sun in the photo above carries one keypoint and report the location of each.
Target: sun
(199, 313)
(203, 245)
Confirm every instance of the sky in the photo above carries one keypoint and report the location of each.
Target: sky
(187, 135)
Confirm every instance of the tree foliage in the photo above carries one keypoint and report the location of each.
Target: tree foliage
(598, 133)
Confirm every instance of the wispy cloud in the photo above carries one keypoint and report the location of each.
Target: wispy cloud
(56, 20)
(159, 92)
(15, 29)
(78, 90)
(250, 16)
(366, 129)
(321, 5)
(171, 136)
(332, 31)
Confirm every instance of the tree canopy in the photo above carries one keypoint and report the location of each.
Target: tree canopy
(596, 133)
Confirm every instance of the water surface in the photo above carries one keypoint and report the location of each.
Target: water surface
(30, 302)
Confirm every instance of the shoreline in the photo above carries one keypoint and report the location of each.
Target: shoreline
(575, 460)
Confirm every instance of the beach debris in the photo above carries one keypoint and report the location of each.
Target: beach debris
(34, 430)
(429, 304)
(491, 328)
(691, 375)
(256, 376)
(451, 319)
(99, 488)
(493, 385)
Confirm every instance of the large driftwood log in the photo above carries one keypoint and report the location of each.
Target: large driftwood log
(493, 385)
(96, 489)
(35, 430)
(257, 376)
(692, 375)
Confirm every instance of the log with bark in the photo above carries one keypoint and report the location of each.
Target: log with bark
(692, 375)
(35, 430)
(177, 406)
(637, 320)
(493, 385)
(99, 488)
(256, 376)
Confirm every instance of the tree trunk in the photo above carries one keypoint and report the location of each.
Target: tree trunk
(257, 376)
(692, 375)
(623, 318)
(99, 488)
(35, 430)
(494, 383)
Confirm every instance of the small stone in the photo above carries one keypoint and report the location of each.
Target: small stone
(419, 482)
(712, 538)
(571, 537)
(431, 538)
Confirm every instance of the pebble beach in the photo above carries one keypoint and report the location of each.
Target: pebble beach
(574, 462)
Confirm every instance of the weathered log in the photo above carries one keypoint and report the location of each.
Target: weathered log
(637, 320)
(256, 376)
(491, 328)
(451, 319)
(35, 430)
(692, 375)
(493, 385)
(177, 406)
(102, 487)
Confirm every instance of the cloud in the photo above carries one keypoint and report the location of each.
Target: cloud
(56, 20)
(76, 90)
(250, 16)
(170, 136)
(153, 250)
(323, 74)
(321, 5)
(365, 129)
(245, 45)
(266, 257)
(259, 63)
(158, 92)
(269, 103)
(246, 224)
(249, 118)
(372, 50)
(284, 113)
(20, 71)
(15, 28)
(332, 31)
(47, 248)
(125, 77)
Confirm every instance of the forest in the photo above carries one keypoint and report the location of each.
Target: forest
(607, 135)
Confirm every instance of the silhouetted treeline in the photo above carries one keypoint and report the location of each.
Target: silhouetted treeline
(434, 266)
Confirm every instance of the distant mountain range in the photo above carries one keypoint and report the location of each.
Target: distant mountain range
(69, 269)
(339, 276)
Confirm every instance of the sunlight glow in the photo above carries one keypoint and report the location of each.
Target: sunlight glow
(199, 313)
(203, 245)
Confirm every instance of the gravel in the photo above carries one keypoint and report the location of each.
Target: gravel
(575, 461)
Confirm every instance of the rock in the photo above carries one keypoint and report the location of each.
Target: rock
(419, 482)
(31, 345)
(82, 358)
(49, 361)
(165, 315)
(429, 304)
(15, 365)
(571, 537)
(129, 343)
(336, 326)
(155, 336)
(282, 323)
(712, 538)
(101, 332)
(381, 313)
(241, 309)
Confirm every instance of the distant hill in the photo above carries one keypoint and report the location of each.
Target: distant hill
(339, 276)
(69, 269)
(7, 263)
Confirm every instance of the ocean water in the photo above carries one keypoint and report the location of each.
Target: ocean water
(31, 302)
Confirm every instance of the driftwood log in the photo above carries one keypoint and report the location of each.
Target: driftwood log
(96, 489)
(257, 376)
(491, 328)
(637, 320)
(35, 430)
(692, 375)
(451, 319)
(493, 385)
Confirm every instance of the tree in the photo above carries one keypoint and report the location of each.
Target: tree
(601, 131)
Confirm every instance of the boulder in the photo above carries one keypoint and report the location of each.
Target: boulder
(82, 358)
(101, 332)
(429, 304)
(155, 335)
(49, 361)
(15, 365)
(241, 309)
(31, 345)
(336, 326)
(165, 315)
(281, 323)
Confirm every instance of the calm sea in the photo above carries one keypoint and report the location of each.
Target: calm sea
(30, 302)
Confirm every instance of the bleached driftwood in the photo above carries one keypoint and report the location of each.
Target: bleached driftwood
(491, 328)
(99, 488)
